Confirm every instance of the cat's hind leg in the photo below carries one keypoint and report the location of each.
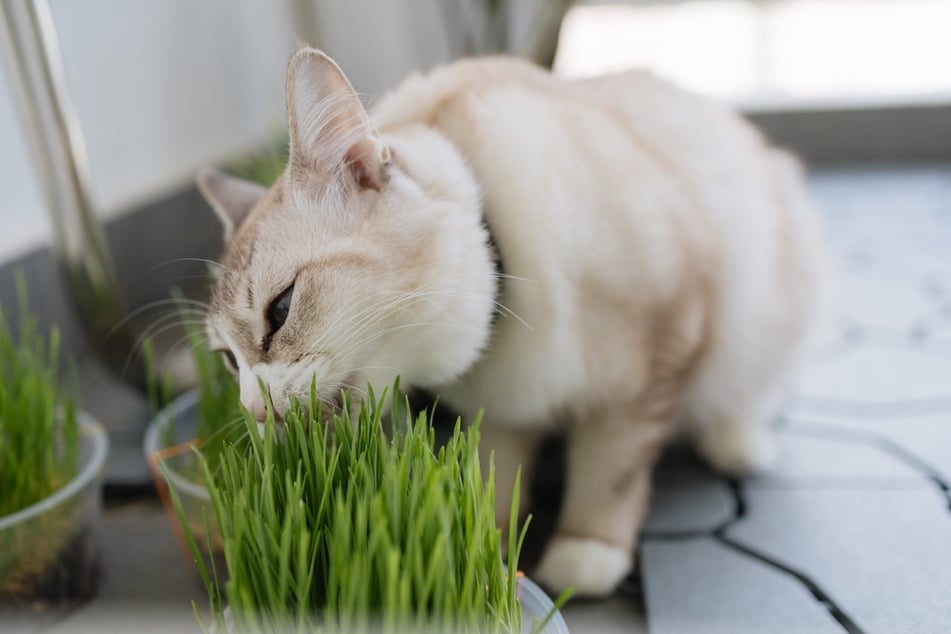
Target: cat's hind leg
(607, 489)
(772, 298)
(727, 418)
(734, 444)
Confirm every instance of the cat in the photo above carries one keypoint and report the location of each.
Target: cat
(615, 258)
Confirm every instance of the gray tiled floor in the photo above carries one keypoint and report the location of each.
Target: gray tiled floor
(851, 531)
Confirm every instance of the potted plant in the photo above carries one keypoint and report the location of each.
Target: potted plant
(483, 27)
(203, 418)
(337, 526)
(51, 464)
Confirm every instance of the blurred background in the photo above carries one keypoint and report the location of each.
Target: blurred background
(107, 109)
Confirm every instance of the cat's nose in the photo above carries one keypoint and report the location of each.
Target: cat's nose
(258, 409)
(254, 402)
(256, 405)
(252, 397)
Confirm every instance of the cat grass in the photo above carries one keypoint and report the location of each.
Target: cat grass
(218, 418)
(335, 526)
(39, 440)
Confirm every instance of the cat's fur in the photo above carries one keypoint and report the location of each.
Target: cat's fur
(661, 265)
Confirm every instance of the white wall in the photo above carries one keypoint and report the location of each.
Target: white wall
(161, 87)
(22, 218)
(377, 42)
(165, 86)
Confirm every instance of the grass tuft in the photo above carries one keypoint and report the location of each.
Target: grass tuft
(39, 446)
(39, 433)
(334, 526)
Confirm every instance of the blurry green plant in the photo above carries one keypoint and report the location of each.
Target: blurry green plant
(332, 526)
(39, 446)
(265, 165)
(39, 433)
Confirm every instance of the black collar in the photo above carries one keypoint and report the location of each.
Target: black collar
(495, 254)
(498, 270)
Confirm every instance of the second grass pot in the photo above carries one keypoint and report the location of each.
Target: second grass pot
(49, 551)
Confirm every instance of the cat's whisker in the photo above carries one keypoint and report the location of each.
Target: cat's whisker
(168, 321)
(361, 392)
(179, 260)
(377, 313)
(392, 329)
(227, 427)
(156, 332)
(140, 343)
(365, 320)
(160, 325)
(501, 308)
(360, 368)
(194, 340)
(205, 277)
(179, 303)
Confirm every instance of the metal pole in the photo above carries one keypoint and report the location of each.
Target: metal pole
(55, 138)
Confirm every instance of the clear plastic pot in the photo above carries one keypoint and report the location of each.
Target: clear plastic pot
(169, 443)
(536, 605)
(49, 551)
(169, 448)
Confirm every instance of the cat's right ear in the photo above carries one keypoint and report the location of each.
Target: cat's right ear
(330, 132)
(231, 198)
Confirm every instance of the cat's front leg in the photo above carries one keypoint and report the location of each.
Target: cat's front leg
(607, 489)
(510, 447)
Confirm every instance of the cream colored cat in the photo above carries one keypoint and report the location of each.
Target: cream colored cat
(613, 258)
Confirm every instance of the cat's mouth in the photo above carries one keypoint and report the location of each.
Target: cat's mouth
(333, 406)
(341, 397)
(327, 409)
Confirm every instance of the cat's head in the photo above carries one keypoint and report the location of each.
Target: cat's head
(365, 260)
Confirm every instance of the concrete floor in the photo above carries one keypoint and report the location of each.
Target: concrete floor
(850, 531)
(148, 586)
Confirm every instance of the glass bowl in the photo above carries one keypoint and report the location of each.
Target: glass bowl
(48, 550)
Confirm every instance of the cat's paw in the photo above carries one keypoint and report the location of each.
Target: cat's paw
(592, 567)
(737, 449)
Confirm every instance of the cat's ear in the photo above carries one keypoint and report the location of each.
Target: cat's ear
(330, 132)
(231, 198)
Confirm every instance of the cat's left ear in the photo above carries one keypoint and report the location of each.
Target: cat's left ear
(231, 198)
(330, 132)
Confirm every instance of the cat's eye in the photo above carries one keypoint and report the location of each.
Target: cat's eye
(279, 309)
(231, 362)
